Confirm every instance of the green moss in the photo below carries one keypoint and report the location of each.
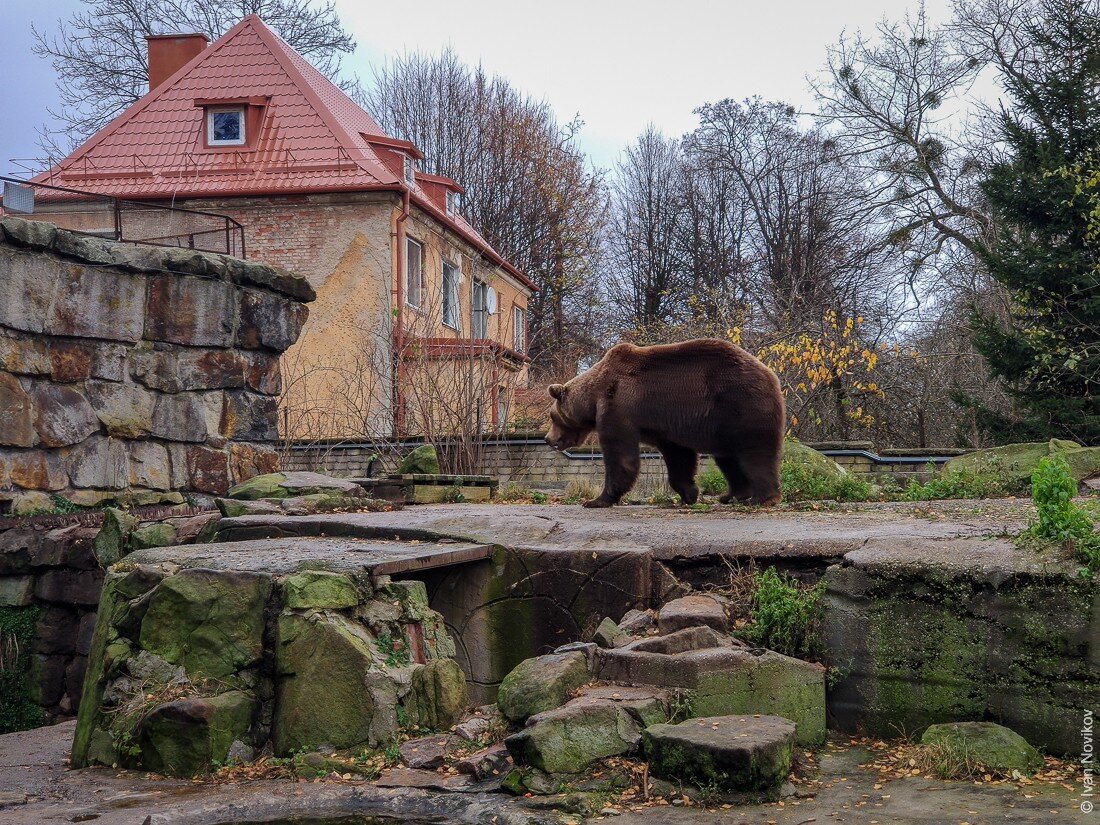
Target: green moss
(17, 709)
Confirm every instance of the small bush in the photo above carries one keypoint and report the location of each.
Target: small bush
(512, 492)
(786, 617)
(956, 484)
(1060, 519)
(802, 483)
(711, 482)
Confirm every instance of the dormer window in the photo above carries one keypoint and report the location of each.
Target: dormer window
(452, 202)
(225, 126)
(410, 170)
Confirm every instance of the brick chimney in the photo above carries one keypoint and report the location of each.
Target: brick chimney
(169, 52)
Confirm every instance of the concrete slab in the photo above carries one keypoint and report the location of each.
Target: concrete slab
(286, 555)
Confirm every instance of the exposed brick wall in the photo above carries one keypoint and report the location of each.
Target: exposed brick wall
(129, 372)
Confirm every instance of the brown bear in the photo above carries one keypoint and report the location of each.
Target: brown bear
(700, 396)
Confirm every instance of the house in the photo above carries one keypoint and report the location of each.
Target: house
(419, 325)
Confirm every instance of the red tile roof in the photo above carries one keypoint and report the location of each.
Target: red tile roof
(312, 138)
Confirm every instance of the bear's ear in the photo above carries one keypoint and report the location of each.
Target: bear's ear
(556, 391)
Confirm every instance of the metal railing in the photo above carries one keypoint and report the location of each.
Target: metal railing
(128, 221)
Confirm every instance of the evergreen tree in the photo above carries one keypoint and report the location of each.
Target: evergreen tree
(1042, 251)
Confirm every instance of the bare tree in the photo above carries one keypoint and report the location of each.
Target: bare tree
(99, 53)
(529, 189)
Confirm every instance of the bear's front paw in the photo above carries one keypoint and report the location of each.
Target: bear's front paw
(598, 502)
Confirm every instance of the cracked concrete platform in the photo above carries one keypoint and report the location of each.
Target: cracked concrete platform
(958, 529)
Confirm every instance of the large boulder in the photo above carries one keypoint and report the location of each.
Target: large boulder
(602, 722)
(322, 663)
(729, 680)
(438, 696)
(422, 461)
(187, 736)
(1013, 464)
(293, 485)
(731, 753)
(797, 454)
(541, 684)
(994, 746)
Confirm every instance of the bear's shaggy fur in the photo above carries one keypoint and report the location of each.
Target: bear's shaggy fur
(701, 396)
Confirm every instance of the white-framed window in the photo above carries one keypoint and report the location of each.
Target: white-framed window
(225, 126)
(410, 170)
(479, 310)
(414, 273)
(519, 329)
(452, 202)
(450, 294)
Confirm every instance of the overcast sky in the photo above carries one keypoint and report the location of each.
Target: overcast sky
(618, 64)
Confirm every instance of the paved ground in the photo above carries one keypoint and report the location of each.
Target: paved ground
(36, 787)
(680, 533)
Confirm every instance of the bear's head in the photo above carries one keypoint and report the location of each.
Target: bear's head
(572, 417)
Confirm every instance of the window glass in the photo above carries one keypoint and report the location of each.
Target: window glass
(520, 328)
(452, 202)
(450, 294)
(479, 309)
(414, 268)
(410, 170)
(225, 127)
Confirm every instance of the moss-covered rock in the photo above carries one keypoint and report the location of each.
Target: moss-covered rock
(187, 736)
(209, 622)
(730, 753)
(235, 507)
(1013, 464)
(322, 662)
(438, 696)
(993, 746)
(155, 534)
(257, 487)
(319, 588)
(797, 454)
(540, 684)
(113, 540)
(422, 461)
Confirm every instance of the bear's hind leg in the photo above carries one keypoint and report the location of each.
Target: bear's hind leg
(682, 464)
(761, 468)
(621, 463)
(738, 483)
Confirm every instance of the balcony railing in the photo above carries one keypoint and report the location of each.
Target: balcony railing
(138, 222)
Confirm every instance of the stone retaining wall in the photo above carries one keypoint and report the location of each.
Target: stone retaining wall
(131, 371)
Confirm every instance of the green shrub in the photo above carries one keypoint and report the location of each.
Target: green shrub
(802, 483)
(711, 482)
(17, 710)
(786, 617)
(1059, 518)
(956, 483)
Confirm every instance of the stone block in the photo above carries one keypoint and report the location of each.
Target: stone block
(70, 547)
(56, 630)
(319, 588)
(427, 752)
(99, 462)
(185, 737)
(79, 587)
(248, 416)
(250, 460)
(180, 417)
(83, 247)
(30, 233)
(210, 370)
(692, 611)
(196, 467)
(34, 469)
(262, 373)
(541, 684)
(16, 419)
(16, 591)
(31, 503)
(74, 678)
(98, 302)
(109, 361)
(279, 280)
(268, 321)
(156, 367)
(62, 415)
(731, 753)
(46, 680)
(438, 695)
(84, 633)
(208, 622)
(24, 354)
(126, 410)
(192, 311)
(26, 290)
(70, 361)
(993, 746)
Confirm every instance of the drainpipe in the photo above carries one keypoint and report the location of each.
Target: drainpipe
(399, 322)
